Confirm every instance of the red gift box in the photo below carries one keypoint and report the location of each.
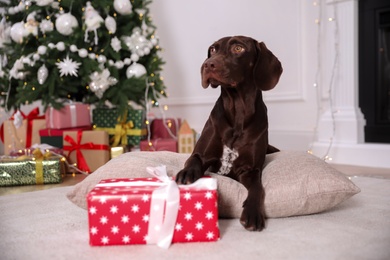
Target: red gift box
(70, 116)
(123, 211)
(159, 145)
(159, 128)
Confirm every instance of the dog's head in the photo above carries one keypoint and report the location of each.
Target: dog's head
(235, 60)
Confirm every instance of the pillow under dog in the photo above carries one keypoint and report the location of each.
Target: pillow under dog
(295, 183)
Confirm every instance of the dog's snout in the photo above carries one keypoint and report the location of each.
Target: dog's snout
(209, 65)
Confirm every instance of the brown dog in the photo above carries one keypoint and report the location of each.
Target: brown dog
(234, 140)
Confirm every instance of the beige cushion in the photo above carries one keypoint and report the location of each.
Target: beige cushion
(296, 183)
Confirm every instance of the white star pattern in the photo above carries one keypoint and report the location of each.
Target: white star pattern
(208, 195)
(187, 196)
(105, 240)
(198, 205)
(145, 197)
(178, 227)
(210, 235)
(68, 67)
(103, 220)
(103, 199)
(209, 215)
(94, 230)
(126, 239)
(135, 208)
(124, 218)
(92, 210)
(124, 199)
(145, 218)
(188, 216)
(189, 236)
(114, 209)
(136, 229)
(199, 226)
(115, 230)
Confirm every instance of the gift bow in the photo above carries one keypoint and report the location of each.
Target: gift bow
(78, 146)
(166, 197)
(38, 156)
(120, 135)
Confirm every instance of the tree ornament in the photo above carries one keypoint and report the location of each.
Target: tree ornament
(42, 50)
(116, 44)
(46, 26)
(110, 24)
(123, 6)
(65, 23)
(60, 46)
(42, 74)
(18, 32)
(93, 21)
(31, 26)
(101, 81)
(43, 2)
(68, 67)
(83, 53)
(135, 70)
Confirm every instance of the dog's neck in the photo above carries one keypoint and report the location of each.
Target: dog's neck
(239, 102)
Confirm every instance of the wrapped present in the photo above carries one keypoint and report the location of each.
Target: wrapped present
(54, 137)
(146, 211)
(164, 128)
(88, 149)
(159, 145)
(128, 130)
(38, 168)
(22, 135)
(70, 116)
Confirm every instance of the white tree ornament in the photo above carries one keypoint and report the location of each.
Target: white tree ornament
(68, 67)
(93, 21)
(123, 6)
(65, 23)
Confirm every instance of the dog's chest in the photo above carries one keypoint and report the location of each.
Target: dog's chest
(227, 159)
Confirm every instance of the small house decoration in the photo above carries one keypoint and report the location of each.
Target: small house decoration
(186, 138)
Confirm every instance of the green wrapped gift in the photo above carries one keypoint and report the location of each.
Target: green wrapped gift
(130, 129)
(28, 170)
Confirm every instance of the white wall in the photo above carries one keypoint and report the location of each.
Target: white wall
(187, 28)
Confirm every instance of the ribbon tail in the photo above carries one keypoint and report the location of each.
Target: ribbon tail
(171, 211)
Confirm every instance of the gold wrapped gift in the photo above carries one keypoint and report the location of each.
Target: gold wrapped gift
(28, 170)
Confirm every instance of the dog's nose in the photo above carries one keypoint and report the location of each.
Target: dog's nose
(209, 65)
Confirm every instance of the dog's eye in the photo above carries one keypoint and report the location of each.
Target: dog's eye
(212, 50)
(238, 49)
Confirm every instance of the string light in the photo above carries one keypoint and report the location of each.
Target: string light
(334, 19)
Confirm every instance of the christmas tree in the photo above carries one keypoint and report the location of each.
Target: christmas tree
(96, 52)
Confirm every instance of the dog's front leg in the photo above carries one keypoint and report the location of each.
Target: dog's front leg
(207, 152)
(253, 213)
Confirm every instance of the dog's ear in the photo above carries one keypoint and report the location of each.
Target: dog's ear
(267, 69)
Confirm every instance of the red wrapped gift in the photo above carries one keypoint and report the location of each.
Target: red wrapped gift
(165, 128)
(159, 145)
(142, 211)
(71, 115)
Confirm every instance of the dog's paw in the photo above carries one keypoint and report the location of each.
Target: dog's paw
(188, 175)
(252, 217)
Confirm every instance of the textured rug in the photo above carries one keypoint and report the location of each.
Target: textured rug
(46, 225)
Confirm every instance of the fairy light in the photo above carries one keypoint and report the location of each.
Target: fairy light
(317, 21)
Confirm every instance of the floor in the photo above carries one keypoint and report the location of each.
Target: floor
(72, 179)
